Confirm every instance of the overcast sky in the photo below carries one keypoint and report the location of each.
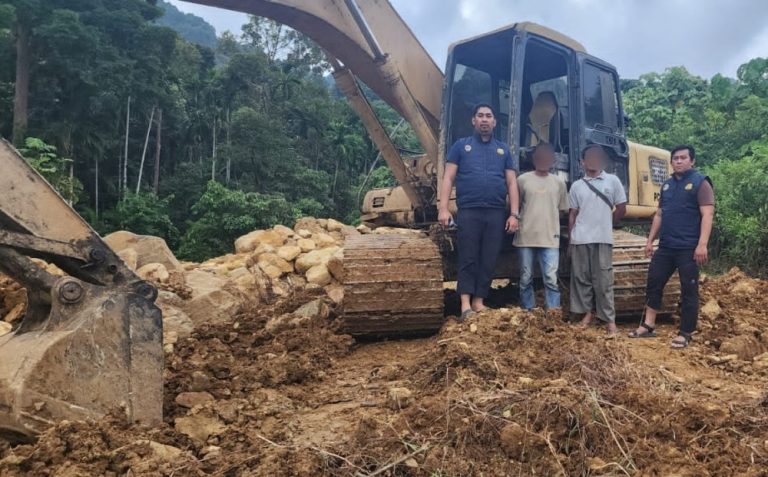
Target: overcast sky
(706, 36)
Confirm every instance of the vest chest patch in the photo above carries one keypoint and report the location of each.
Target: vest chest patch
(689, 186)
(500, 151)
(666, 187)
(467, 148)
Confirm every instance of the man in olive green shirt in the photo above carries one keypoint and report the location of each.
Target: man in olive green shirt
(542, 197)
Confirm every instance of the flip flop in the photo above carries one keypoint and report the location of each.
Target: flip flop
(650, 333)
(687, 338)
(466, 314)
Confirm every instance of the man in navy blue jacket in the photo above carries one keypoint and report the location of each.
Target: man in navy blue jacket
(485, 173)
(684, 221)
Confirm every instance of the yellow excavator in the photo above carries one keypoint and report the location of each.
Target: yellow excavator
(91, 342)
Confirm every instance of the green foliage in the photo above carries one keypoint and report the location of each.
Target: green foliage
(222, 215)
(741, 224)
(727, 121)
(42, 157)
(191, 27)
(143, 214)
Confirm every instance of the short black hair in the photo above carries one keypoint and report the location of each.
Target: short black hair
(543, 145)
(683, 147)
(482, 105)
(589, 147)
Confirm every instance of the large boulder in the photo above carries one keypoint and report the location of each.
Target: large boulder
(314, 258)
(174, 319)
(212, 301)
(130, 257)
(249, 242)
(336, 265)
(289, 252)
(319, 275)
(309, 224)
(283, 230)
(334, 225)
(269, 262)
(324, 240)
(148, 249)
(306, 244)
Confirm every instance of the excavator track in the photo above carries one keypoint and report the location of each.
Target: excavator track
(630, 272)
(393, 285)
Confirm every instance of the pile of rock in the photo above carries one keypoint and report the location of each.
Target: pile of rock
(267, 264)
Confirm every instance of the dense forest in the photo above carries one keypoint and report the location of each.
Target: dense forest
(144, 120)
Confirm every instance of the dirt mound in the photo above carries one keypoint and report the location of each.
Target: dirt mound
(734, 314)
(232, 360)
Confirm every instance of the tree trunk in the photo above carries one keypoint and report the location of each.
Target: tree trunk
(229, 154)
(71, 199)
(144, 152)
(158, 145)
(96, 188)
(21, 93)
(124, 186)
(213, 152)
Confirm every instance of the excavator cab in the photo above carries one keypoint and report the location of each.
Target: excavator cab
(543, 87)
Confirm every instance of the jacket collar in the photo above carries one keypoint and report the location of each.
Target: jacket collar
(685, 175)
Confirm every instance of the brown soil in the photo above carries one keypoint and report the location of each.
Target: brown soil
(508, 393)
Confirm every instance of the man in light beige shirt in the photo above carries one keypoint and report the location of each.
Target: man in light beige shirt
(542, 197)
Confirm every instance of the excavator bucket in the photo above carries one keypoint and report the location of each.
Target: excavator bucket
(91, 341)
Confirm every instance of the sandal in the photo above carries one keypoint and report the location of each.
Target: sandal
(682, 344)
(649, 333)
(466, 314)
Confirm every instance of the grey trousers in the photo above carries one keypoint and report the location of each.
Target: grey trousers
(592, 280)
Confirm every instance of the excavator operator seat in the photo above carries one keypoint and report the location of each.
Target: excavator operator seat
(543, 111)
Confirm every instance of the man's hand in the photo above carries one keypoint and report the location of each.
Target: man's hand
(512, 225)
(701, 255)
(648, 249)
(444, 217)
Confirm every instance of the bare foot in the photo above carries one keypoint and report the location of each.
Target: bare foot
(586, 321)
(612, 328)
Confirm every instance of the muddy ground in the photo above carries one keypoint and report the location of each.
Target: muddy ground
(507, 393)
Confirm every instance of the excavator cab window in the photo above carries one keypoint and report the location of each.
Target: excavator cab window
(545, 103)
(480, 72)
(602, 116)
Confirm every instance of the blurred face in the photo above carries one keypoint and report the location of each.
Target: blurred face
(593, 160)
(543, 159)
(484, 122)
(681, 161)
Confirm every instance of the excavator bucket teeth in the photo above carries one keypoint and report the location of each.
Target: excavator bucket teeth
(100, 352)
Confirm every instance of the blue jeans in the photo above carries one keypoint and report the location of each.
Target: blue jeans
(548, 262)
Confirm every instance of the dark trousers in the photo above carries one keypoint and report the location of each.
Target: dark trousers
(663, 264)
(480, 236)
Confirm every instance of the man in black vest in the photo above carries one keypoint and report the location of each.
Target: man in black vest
(684, 218)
